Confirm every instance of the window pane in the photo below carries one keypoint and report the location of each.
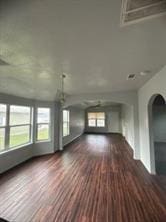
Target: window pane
(65, 129)
(2, 139)
(19, 135)
(43, 115)
(43, 132)
(92, 122)
(100, 123)
(20, 115)
(91, 115)
(65, 115)
(2, 115)
(101, 115)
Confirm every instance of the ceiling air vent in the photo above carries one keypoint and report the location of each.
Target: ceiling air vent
(138, 10)
(131, 77)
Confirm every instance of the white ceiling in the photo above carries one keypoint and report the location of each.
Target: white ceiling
(82, 38)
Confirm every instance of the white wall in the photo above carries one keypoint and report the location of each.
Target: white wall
(157, 85)
(77, 124)
(127, 118)
(112, 121)
(13, 157)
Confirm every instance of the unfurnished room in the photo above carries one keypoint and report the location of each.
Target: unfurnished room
(82, 110)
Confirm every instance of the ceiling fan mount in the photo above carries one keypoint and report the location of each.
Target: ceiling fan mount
(99, 104)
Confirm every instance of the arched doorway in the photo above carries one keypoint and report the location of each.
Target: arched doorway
(157, 132)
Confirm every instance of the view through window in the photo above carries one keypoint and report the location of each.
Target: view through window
(96, 119)
(3, 110)
(66, 123)
(16, 125)
(20, 125)
(43, 124)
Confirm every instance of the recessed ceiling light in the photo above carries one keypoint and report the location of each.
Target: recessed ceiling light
(144, 73)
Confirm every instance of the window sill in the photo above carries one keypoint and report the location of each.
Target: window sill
(96, 126)
(15, 148)
(42, 141)
(66, 135)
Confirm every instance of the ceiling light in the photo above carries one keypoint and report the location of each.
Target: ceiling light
(144, 73)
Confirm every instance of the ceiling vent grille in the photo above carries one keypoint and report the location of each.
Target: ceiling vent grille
(134, 11)
(131, 76)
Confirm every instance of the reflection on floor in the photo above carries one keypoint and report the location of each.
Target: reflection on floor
(94, 180)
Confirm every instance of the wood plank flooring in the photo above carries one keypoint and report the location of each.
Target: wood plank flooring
(94, 180)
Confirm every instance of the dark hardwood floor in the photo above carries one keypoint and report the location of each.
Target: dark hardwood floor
(94, 180)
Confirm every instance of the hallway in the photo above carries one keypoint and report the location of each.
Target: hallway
(94, 180)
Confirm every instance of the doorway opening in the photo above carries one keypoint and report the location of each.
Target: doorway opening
(157, 127)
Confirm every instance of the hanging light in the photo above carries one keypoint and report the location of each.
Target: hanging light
(62, 95)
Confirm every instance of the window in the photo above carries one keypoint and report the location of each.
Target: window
(43, 124)
(66, 123)
(3, 110)
(19, 125)
(96, 119)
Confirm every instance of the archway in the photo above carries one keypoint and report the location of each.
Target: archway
(157, 132)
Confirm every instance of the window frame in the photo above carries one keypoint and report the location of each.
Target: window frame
(30, 125)
(7, 127)
(42, 123)
(96, 119)
(67, 122)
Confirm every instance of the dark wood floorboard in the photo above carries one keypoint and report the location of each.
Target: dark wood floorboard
(94, 180)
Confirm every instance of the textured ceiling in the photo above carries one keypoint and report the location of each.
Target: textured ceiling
(41, 39)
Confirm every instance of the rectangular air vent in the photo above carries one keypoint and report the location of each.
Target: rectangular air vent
(131, 77)
(138, 10)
